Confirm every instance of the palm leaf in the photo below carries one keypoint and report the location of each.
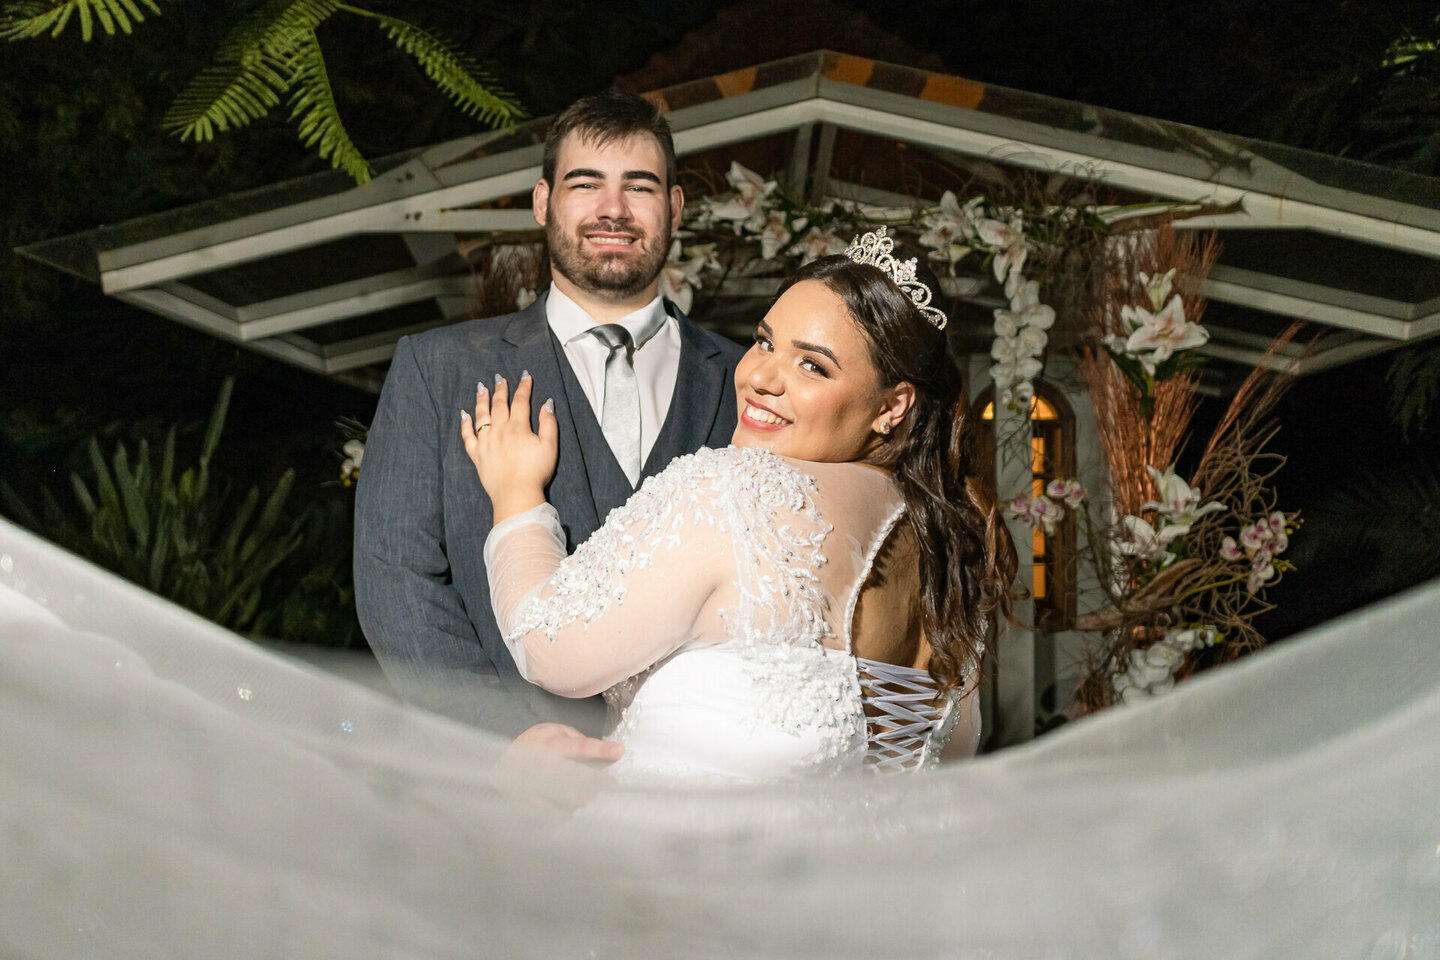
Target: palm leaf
(1414, 379)
(25, 20)
(1392, 516)
(313, 105)
(459, 77)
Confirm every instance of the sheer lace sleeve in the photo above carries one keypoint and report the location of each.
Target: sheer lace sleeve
(628, 597)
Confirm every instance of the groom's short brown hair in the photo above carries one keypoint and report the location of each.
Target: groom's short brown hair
(607, 116)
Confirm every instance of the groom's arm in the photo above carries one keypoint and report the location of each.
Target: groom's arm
(411, 612)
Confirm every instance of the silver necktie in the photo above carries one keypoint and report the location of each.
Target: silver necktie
(620, 416)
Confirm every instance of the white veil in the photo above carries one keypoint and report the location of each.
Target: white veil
(170, 790)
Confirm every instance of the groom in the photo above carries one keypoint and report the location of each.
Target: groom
(635, 384)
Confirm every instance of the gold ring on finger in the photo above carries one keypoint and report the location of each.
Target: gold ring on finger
(482, 426)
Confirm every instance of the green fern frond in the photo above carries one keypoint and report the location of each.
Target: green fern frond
(313, 105)
(225, 97)
(277, 28)
(253, 70)
(25, 20)
(463, 80)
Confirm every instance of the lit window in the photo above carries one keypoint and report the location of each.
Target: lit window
(1052, 456)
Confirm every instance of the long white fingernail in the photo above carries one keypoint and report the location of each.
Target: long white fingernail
(464, 416)
(524, 374)
(479, 389)
(549, 405)
(498, 380)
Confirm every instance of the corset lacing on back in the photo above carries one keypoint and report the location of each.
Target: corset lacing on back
(907, 721)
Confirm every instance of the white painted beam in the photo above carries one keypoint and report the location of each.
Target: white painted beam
(1302, 308)
(343, 301)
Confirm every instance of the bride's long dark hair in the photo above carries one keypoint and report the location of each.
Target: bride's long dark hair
(967, 560)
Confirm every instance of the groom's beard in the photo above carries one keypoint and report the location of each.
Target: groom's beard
(619, 274)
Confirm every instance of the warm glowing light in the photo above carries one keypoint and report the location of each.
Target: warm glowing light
(1040, 409)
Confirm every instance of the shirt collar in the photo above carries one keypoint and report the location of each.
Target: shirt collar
(570, 321)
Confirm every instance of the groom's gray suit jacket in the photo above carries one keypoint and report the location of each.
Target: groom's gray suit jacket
(421, 516)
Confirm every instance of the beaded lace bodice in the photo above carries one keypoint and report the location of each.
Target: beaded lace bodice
(713, 609)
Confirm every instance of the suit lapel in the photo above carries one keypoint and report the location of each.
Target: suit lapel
(699, 386)
(529, 345)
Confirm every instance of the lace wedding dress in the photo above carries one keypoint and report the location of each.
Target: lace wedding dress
(172, 790)
(715, 609)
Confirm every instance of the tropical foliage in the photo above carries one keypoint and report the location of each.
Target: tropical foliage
(174, 531)
(34, 18)
(274, 54)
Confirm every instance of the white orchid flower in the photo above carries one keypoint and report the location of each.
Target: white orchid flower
(1162, 334)
(1014, 371)
(1261, 571)
(1131, 695)
(1229, 551)
(350, 468)
(1038, 511)
(1028, 310)
(1069, 491)
(1007, 349)
(1032, 340)
(1005, 325)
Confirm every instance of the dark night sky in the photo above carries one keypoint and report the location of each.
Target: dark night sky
(82, 135)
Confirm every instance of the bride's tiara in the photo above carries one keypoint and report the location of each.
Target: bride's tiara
(874, 249)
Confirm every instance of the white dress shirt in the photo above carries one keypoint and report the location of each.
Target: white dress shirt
(657, 357)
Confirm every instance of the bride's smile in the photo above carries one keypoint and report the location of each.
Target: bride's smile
(807, 388)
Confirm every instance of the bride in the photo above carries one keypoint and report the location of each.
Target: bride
(814, 597)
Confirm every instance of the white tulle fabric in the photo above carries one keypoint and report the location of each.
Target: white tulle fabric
(714, 609)
(169, 790)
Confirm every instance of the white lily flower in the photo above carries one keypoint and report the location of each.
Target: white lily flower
(817, 243)
(1157, 288)
(1179, 502)
(1162, 334)
(746, 206)
(354, 452)
(952, 225)
(678, 278)
(1008, 239)
(1144, 541)
(773, 235)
